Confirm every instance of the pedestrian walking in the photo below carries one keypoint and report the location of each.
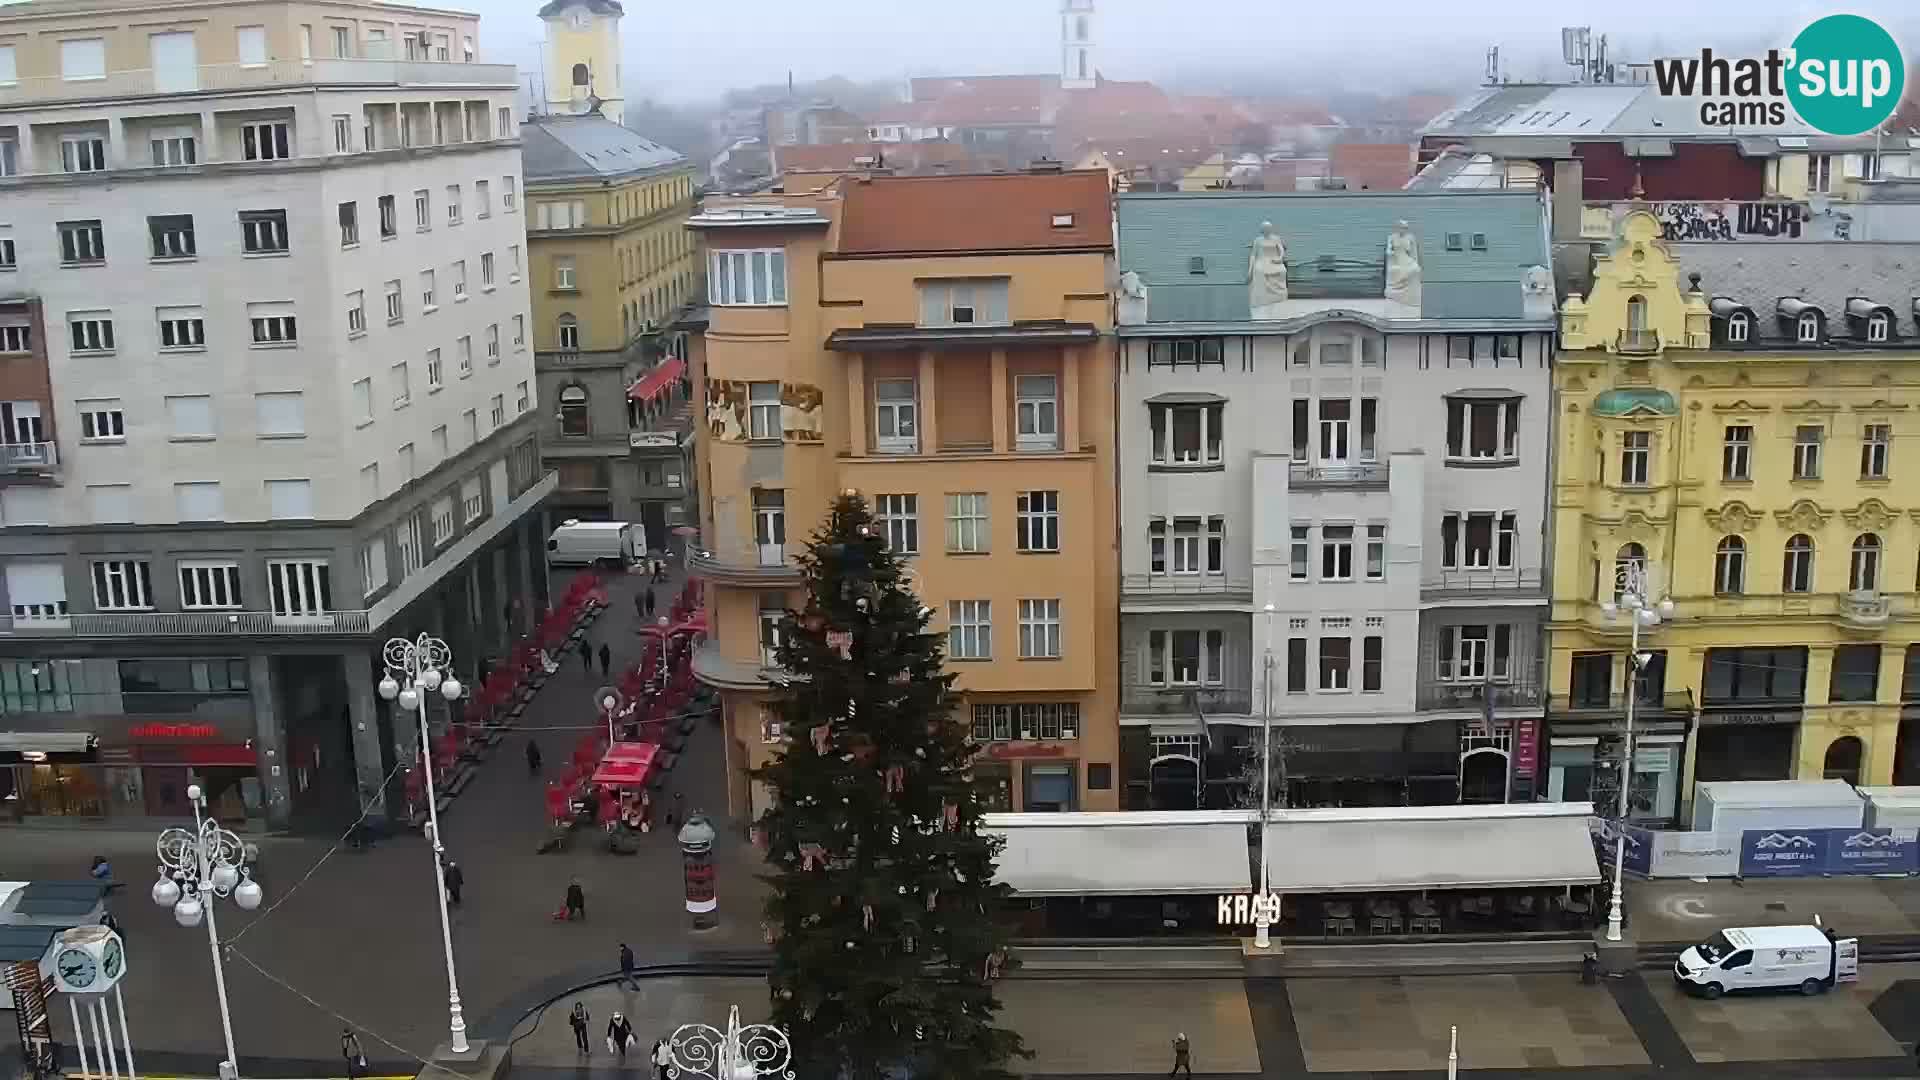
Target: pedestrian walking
(576, 900)
(659, 570)
(673, 812)
(662, 1059)
(578, 1021)
(1182, 1055)
(606, 660)
(647, 600)
(619, 1035)
(626, 966)
(350, 1050)
(586, 655)
(533, 758)
(454, 878)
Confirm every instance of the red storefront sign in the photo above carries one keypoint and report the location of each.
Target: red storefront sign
(1526, 748)
(173, 731)
(1001, 751)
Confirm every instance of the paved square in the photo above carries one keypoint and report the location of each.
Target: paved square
(1081, 1026)
(1773, 1027)
(1506, 1022)
(659, 1006)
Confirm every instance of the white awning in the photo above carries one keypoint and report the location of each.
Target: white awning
(1331, 851)
(45, 742)
(1108, 855)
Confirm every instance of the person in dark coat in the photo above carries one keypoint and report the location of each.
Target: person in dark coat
(626, 966)
(576, 900)
(578, 1021)
(454, 878)
(533, 758)
(1182, 1055)
(620, 1034)
(640, 605)
(647, 597)
(606, 660)
(350, 1050)
(586, 655)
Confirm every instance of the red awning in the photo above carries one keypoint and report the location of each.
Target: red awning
(664, 374)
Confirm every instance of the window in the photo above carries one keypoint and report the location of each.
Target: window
(493, 343)
(172, 146)
(747, 278)
(190, 416)
(1372, 648)
(1186, 434)
(770, 525)
(1730, 567)
(1820, 173)
(9, 156)
(1037, 412)
(436, 374)
(83, 153)
(497, 415)
(402, 385)
(1856, 673)
(1186, 657)
(263, 232)
(1039, 629)
(1216, 545)
(563, 272)
(472, 503)
(967, 530)
(428, 280)
(373, 566)
(422, 210)
(1296, 665)
(363, 401)
(280, 415)
(1736, 453)
(101, 419)
(300, 588)
(90, 333)
(16, 339)
(899, 520)
(273, 324)
(1738, 327)
(981, 302)
(1806, 451)
(1186, 546)
(1037, 521)
(1336, 418)
(763, 410)
(1299, 553)
(122, 585)
(573, 411)
(894, 417)
(562, 215)
(1797, 573)
(36, 591)
(1876, 446)
(507, 194)
(389, 218)
(1507, 540)
(1479, 430)
(442, 521)
(342, 134)
(252, 45)
(356, 313)
(407, 539)
(1636, 455)
(1877, 326)
(9, 259)
(454, 210)
(1195, 353)
(1807, 329)
(209, 586)
(82, 242)
(1470, 540)
(482, 197)
(198, 501)
(1376, 552)
(265, 141)
(463, 354)
(471, 420)
(349, 224)
(771, 636)
(395, 306)
(1336, 663)
(970, 629)
(513, 262)
(486, 270)
(1864, 573)
(83, 58)
(1336, 553)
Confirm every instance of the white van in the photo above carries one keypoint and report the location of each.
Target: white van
(589, 543)
(1807, 958)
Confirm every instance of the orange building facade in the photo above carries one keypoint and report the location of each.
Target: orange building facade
(942, 345)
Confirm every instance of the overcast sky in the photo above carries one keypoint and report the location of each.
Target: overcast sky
(678, 51)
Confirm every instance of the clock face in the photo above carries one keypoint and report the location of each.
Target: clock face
(112, 958)
(77, 968)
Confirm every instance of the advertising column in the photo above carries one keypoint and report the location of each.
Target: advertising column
(696, 848)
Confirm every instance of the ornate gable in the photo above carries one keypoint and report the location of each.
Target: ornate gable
(1871, 515)
(1734, 517)
(1804, 515)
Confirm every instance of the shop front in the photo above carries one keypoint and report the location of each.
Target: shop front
(1034, 777)
(1585, 745)
(1744, 743)
(124, 767)
(1389, 764)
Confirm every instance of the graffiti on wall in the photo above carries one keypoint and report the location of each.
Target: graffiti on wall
(729, 412)
(1720, 221)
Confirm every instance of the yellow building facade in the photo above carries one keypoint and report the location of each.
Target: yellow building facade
(942, 346)
(1747, 443)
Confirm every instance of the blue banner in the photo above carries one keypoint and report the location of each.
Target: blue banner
(1811, 852)
(1639, 854)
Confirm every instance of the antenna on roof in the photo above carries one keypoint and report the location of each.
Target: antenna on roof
(1493, 65)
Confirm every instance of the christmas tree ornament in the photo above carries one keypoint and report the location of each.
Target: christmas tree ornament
(933, 899)
(841, 641)
(896, 779)
(821, 734)
(896, 843)
(812, 856)
(901, 889)
(951, 815)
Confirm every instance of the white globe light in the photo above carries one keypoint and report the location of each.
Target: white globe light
(165, 892)
(430, 678)
(188, 911)
(451, 689)
(409, 699)
(1666, 609)
(609, 703)
(1608, 608)
(225, 877)
(248, 895)
(388, 688)
(193, 793)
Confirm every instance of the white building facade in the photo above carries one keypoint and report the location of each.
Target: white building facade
(1333, 484)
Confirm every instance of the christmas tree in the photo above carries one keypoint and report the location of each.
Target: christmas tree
(883, 897)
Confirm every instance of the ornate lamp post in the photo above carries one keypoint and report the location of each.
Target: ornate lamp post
(1633, 598)
(1263, 914)
(415, 669)
(738, 1053)
(196, 866)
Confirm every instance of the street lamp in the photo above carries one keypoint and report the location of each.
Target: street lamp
(196, 866)
(1262, 917)
(1633, 596)
(611, 701)
(415, 669)
(738, 1053)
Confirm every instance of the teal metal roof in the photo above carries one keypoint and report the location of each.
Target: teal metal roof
(1635, 399)
(1336, 248)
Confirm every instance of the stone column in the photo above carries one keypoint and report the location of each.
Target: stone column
(363, 713)
(1002, 404)
(1071, 361)
(269, 741)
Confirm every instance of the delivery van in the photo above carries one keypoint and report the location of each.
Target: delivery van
(596, 543)
(1804, 958)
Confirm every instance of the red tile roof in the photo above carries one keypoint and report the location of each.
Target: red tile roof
(823, 157)
(1372, 166)
(978, 213)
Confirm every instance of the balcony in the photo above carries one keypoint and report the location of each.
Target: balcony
(1636, 342)
(31, 460)
(1175, 700)
(1160, 590)
(222, 78)
(752, 566)
(1473, 694)
(1865, 610)
(713, 668)
(1361, 475)
(1678, 703)
(1489, 586)
(183, 624)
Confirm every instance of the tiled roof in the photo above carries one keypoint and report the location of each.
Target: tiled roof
(1825, 275)
(1160, 236)
(598, 7)
(1372, 166)
(588, 145)
(805, 158)
(1004, 212)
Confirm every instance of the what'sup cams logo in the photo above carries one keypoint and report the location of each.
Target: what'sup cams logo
(1843, 75)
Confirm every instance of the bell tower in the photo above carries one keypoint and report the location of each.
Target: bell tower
(582, 58)
(1077, 71)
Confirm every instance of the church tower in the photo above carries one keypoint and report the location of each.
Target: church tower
(1076, 45)
(582, 58)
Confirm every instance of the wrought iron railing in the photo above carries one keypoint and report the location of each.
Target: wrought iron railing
(113, 624)
(1187, 700)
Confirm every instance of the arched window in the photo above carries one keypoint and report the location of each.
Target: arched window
(1738, 327)
(1636, 314)
(1843, 760)
(1807, 330)
(1629, 566)
(580, 76)
(1878, 326)
(1865, 569)
(1730, 567)
(573, 411)
(569, 332)
(1796, 574)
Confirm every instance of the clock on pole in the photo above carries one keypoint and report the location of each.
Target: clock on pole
(89, 960)
(88, 964)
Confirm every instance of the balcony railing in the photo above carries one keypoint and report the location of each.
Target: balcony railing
(1303, 474)
(1672, 701)
(139, 82)
(32, 457)
(1482, 582)
(1168, 586)
(116, 624)
(752, 565)
(1636, 342)
(1177, 700)
(1473, 694)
